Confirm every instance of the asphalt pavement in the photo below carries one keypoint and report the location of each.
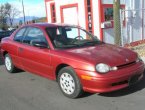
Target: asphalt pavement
(26, 91)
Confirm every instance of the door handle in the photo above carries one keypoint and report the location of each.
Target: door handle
(21, 49)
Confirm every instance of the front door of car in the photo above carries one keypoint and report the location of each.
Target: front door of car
(35, 59)
(18, 37)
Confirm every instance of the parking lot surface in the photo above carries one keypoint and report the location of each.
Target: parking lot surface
(25, 91)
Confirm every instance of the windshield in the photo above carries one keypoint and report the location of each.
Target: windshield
(69, 37)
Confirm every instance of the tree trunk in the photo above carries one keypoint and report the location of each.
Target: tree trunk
(11, 22)
(117, 25)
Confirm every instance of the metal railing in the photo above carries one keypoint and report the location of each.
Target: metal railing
(132, 25)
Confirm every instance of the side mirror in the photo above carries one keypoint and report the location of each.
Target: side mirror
(39, 44)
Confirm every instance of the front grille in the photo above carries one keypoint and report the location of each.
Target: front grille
(120, 83)
(134, 79)
(126, 65)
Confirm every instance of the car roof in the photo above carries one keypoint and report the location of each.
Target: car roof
(45, 25)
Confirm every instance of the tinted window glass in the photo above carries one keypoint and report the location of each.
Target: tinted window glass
(34, 34)
(20, 34)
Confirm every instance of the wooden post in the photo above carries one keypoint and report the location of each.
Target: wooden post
(117, 25)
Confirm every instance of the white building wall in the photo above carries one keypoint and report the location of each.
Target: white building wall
(81, 10)
(96, 18)
(48, 11)
(60, 3)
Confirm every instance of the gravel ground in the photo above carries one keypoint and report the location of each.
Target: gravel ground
(140, 49)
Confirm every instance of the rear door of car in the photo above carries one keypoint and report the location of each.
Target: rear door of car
(35, 59)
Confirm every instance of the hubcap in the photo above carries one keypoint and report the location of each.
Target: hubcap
(67, 83)
(8, 63)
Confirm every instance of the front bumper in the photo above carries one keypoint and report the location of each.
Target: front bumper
(115, 80)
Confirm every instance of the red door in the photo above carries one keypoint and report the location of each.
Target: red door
(35, 59)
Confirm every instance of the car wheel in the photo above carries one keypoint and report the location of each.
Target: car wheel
(69, 83)
(9, 64)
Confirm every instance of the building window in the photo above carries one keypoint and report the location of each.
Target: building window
(53, 12)
(89, 16)
(108, 14)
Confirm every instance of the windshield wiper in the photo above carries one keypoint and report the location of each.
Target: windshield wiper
(89, 43)
(68, 46)
(92, 43)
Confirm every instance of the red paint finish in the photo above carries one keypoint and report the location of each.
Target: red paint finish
(44, 62)
(104, 84)
(136, 43)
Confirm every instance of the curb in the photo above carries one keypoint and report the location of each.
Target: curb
(143, 59)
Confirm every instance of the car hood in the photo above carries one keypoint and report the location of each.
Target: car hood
(105, 53)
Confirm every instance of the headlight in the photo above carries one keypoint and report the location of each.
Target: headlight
(102, 68)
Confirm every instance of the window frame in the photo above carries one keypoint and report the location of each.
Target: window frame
(23, 35)
(55, 47)
(26, 33)
(122, 6)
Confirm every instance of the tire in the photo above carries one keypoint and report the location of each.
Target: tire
(9, 64)
(69, 83)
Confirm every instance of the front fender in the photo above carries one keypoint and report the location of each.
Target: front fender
(74, 63)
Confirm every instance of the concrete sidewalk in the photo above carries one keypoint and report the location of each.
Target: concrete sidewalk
(143, 58)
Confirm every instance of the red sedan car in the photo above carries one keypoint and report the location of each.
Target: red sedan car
(73, 57)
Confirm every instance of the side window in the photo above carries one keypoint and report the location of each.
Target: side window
(34, 34)
(19, 35)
